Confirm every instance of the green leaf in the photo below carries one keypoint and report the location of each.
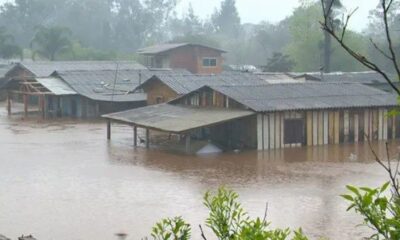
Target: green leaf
(384, 187)
(347, 197)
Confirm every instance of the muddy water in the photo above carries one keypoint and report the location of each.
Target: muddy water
(64, 181)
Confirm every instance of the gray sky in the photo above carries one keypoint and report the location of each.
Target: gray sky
(254, 11)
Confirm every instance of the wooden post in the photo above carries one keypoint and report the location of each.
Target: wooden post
(356, 128)
(135, 136)
(42, 107)
(309, 128)
(147, 138)
(187, 147)
(25, 97)
(337, 127)
(8, 104)
(108, 130)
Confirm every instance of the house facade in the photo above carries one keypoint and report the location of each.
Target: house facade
(196, 58)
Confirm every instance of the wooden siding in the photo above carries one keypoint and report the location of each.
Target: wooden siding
(191, 59)
(328, 127)
(156, 90)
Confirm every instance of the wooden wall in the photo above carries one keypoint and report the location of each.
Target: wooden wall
(328, 127)
(156, 90)
(191, 59)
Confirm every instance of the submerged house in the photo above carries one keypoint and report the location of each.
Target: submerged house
(196, 58)
(76, 89)
(271, 116)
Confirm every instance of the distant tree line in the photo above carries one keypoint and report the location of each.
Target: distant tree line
(110, 29)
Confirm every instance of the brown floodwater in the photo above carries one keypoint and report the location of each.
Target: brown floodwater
(62, 180)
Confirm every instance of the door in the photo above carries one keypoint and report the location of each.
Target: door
(294, 131)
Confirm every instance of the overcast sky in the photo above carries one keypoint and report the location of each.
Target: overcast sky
(254, 11)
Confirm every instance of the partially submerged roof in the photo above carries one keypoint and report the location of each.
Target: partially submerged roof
(175, 118)
(185, 83)
(56, 86)
(45, 68)
(162, 48)
(307, 96)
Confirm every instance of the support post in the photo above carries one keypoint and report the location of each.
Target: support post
(147, 138)
(187, 147)
(135, 136)
(25, 97)
(108, 130)
(42, 106)
(8, 104)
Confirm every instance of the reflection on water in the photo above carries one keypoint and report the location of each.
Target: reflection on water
(65, 181)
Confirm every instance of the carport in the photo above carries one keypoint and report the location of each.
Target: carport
(174, 119)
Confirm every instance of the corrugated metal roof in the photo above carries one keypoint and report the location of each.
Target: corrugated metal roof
(99, 85)
(45, 68)
(56, 86)
(305, 96)
(185, 83)
(160, 48)
(351, 77)
(176, 119)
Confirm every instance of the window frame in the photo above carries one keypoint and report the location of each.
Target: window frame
(210, 60)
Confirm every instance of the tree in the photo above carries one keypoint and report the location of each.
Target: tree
(226, 20)
(8, 48)
(279, 63)
(48, 42)
(306, 46)
(332, 13)
(380, 209)
(340, 36)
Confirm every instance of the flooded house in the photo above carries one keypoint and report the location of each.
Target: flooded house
(271, 116)
(196, 58)
(76, 89)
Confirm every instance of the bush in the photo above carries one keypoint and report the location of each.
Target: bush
(228, 221)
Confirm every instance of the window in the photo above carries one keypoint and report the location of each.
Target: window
(209, 62)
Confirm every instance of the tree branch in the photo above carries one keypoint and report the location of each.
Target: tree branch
(202, 233)
(388, 35)
(327, 26)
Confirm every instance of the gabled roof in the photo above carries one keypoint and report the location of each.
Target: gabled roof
(307, 96)
(185, 83)
(45, 68)
(162, 48)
